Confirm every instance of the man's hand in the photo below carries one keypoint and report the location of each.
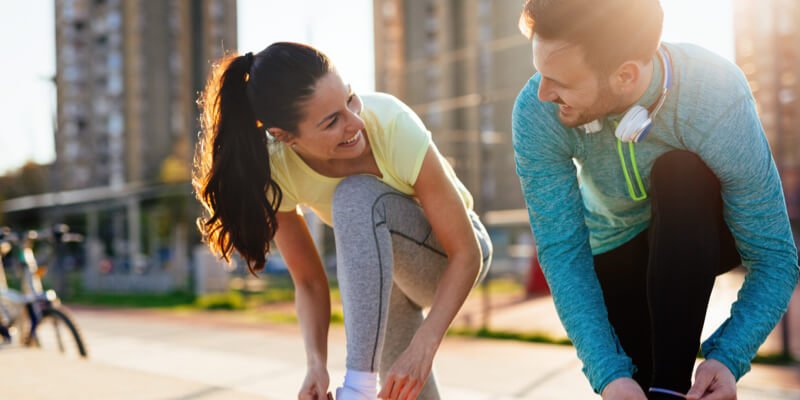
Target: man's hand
(623, 389)
(713, 381)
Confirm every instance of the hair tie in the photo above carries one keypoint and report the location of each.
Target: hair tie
(248, 58)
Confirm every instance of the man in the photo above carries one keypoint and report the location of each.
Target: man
(674, 184)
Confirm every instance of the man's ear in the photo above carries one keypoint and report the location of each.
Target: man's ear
(626, 77)
(282, 135)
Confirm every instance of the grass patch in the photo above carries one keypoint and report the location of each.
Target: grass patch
(337, 317)
(272, 295)
(505, 335)
(76, 294)
(280, 289)
(221, 301)
(778, 359)
(774, 359)
(278, 317)
(132, 300)
(287, 317)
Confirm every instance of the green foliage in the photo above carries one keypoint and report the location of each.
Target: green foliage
(132, 300)
(221, 301)
(28, 180)
(535, 337)
(529, 337)
(272, 295)
(337, 317)
(279, 317)
(775, 359)
(290, 317)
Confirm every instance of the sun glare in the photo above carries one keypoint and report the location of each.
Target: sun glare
(708, 23)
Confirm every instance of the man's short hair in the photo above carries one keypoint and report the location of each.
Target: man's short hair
(609, 31)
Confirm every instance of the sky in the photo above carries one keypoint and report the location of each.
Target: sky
(342, 29)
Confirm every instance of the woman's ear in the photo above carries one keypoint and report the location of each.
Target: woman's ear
(282, 135)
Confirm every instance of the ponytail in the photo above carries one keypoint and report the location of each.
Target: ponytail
(232, 171)
(244, 96)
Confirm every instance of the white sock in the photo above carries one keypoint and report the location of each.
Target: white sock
(363, 382)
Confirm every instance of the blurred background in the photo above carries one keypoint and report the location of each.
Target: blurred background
(100, 124)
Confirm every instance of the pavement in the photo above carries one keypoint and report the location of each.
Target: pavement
(168, 355)
(171, 355)
(515, 313)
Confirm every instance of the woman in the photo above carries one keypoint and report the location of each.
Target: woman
(406, 237)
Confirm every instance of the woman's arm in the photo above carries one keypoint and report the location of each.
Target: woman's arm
(312, 295)
(448, 217)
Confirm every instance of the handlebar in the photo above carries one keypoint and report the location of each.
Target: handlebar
(59, 233)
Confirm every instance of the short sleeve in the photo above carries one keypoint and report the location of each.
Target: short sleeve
(288, 203)
(280, 175)
(407, 142)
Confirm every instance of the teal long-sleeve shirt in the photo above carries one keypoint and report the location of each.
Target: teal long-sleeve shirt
(579, 204)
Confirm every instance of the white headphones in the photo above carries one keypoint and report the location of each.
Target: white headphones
(637, 121)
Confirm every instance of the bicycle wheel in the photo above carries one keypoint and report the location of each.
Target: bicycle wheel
(57, 332)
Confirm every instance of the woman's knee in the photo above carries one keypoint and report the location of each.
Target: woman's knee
(354, 193)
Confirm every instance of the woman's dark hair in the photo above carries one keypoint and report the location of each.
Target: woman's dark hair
(243, 97)
(609, 31)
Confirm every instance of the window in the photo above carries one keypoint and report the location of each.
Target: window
(115, 124)
(115, 84)
(113, 20)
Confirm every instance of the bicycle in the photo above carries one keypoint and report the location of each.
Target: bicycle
(34, 314)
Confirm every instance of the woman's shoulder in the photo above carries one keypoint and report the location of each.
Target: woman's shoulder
(384, 105)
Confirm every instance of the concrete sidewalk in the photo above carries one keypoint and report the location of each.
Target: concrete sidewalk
(538, 315)
(170, 356)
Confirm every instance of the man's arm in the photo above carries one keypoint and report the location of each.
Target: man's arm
(543, 155)
(736, 149)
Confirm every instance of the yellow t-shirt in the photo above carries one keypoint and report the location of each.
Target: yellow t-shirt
(399, 141)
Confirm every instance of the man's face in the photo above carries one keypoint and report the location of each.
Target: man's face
(567, 80)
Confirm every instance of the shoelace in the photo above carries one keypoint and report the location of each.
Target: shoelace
(667, 391)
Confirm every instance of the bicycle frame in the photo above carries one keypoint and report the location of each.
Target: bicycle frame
(33, 299)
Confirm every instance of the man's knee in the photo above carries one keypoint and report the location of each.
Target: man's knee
(682, 174)
(681, 165)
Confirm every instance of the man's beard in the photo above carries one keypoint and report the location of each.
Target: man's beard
(605, 103)
(575, 120)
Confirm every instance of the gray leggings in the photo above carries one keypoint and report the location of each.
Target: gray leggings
(388, 264)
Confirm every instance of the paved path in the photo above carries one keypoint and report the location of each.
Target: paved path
(169, 356)
(539, 314)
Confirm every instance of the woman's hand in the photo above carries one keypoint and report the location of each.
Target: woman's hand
(410, 371)
(312, 299)
(315, 386)
(623, 389)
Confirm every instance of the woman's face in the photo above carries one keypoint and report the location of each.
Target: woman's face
(332, 127)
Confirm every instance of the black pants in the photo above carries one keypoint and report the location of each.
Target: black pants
(656, 286)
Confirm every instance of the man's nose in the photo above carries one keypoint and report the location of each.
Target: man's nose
(546, 92)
